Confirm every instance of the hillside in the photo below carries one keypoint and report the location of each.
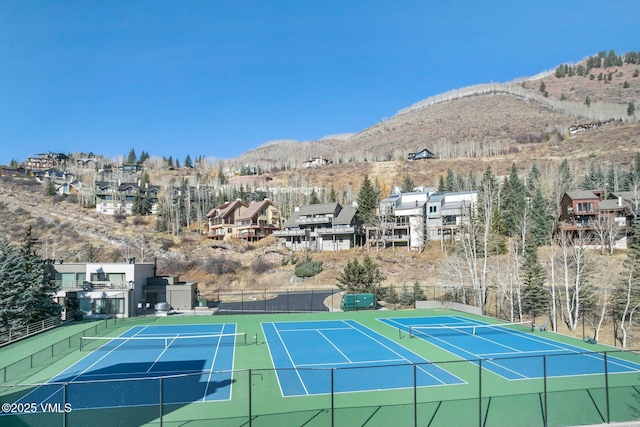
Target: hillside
(478, 121)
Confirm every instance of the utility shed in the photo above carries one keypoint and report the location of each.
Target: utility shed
(181, 296)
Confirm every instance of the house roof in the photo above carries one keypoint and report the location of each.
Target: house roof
(319, 209)
(225, 209)
(610, 205)
(254, 209)
(345, 216)
(581, 194)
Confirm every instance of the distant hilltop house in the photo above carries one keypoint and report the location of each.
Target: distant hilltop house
(13, 172)
(581, 128)
(424, 154)
(315, 161)
(64, 182)
(46, 160)
(114, 198)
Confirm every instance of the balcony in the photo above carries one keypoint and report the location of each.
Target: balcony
(335, 230)
(314, 220)
(89, 286)
(290, 233)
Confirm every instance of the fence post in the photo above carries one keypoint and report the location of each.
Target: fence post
(332, 403)
(250, 391)
(64, 404)
(606, 386)
(160, 396)
(480, 392)
(545, 416)
(415, 395)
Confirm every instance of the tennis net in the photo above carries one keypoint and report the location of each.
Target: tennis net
(208, 340)
(459, 330)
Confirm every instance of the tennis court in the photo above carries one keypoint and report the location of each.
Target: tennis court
(147, 352)
(511, 351)
(307, 354)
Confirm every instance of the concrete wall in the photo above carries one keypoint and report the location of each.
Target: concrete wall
(449, 304)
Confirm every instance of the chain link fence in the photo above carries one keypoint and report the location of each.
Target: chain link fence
(550, 397)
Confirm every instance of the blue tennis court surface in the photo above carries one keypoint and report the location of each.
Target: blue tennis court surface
(508, 352)
(303, 352)
(155, 354)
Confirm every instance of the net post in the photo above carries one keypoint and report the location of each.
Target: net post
(81, 343)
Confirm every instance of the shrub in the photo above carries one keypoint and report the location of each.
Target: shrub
(308, 268)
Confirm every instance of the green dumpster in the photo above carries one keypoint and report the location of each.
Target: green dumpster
(352, 302)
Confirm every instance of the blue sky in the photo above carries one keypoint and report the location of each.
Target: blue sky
(218, 78)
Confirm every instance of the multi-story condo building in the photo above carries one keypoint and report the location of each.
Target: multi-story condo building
(322, 227)
(411, 219)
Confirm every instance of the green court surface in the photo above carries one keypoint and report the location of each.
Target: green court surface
(479, 396)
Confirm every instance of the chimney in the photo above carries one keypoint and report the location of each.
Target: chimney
(619, 200)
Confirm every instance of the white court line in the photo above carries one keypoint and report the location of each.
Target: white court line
(334, 346)
(290, 359)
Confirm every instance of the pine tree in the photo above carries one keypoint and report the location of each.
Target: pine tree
(365, 277)
(407, 184)
(513, 202)
(332, 195)
(442, 186)
(11, 295)
(450, 181)
(541, 220)
(534, 297)
(187, 162)
(367, 202)
(131, 158)
(313, 198)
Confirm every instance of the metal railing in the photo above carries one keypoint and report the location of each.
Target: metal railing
(15, 334)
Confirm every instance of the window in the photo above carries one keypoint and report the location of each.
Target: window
(433, 209)
(108, 306)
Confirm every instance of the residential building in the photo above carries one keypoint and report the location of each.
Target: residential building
(411, 219)
(258, 220)
(423, 154)
(322, 227)
(222, 220)
(114, 198)
(120, 289)
(401, 221)
(315, 161)
(584, 212)
(46, 160)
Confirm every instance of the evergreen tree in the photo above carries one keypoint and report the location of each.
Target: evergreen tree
(533, 178)
(332, 195)
(187, 162)
(11, 294)
(534, 297)
(313, 198)
(50, 189)
(27, 290)
(221, 177)
(407, 184)
(631, 109)
(143, 157)
(131, 158)
(514, 202)
(450, 181)
(541, 220)
(367, 202)
(471, 185)
(442, 186)
(358, 278)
